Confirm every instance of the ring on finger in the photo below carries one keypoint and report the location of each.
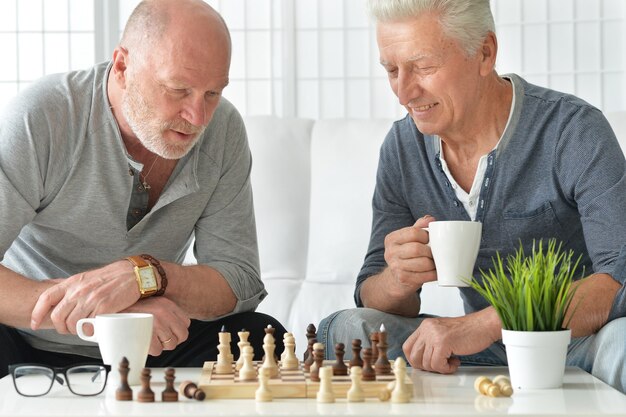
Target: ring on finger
(163, 342)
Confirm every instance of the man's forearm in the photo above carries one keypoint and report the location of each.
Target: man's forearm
(592, 304)
(18, 296)
(383, 293)
(201, 291)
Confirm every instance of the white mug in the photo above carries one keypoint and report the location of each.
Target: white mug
(454, 245)
(121, 335)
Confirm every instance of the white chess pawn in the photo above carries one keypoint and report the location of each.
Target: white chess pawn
(290, 360)
(270, 362)
(325, 393)
(247, 371)
(263, 393)
(356, 394)
(224, 363)
(285, 336)
(243, 341)
(400, 393)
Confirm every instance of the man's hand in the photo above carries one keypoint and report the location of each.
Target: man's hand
(433, 346)
(109, 289)
(171, 324)
(409, 258)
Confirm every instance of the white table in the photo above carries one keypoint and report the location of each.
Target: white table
(435, 395)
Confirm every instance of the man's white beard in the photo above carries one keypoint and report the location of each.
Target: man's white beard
(140, 117)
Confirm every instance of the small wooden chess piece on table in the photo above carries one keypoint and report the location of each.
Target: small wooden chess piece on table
(169, 394)
(146, 395)
(124, 392)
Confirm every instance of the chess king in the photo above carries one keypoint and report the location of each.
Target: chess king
(108, 175)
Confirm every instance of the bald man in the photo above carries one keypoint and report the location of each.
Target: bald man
(106, 177)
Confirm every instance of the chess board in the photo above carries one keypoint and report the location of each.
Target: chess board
(288, 384)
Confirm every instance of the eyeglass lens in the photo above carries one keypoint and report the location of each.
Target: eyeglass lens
(86, 379)
(33, 380)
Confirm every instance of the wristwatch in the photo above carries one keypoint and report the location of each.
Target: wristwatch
(144, 273)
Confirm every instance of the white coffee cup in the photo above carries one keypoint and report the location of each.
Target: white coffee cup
(121, 335)
(454, 245)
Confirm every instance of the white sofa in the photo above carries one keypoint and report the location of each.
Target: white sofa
(313, 183)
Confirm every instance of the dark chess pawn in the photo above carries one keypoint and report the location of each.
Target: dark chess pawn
(169, 394)
(190, 390)
(356, 353)
(146, 395)
(310, 334)
(339, 367)
(309, 355)
(368, 373)
(124, 392)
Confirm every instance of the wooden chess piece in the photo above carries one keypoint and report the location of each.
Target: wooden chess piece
(368, 372)
(146, 395)
(190, 390)
(400, 393)
(290, 360)
(318, 357)
(339, 367)
(247, 371)
(374, 346)
(382, 365)
(284, 353)
(309, 355)
(325, 393)
(224, 364)
(356, 354)
(269, 347)
(243, 341)
(504, 383)
(169, 394)
(123, 392)
(311, 333)
(263, 393)
(485, 386)
(355, 393)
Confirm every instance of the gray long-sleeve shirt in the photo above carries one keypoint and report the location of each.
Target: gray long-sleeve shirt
(65, 192)
(558, 172)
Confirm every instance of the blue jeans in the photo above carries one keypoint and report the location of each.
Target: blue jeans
(603, 354)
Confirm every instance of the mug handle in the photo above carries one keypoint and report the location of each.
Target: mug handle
(81, 333)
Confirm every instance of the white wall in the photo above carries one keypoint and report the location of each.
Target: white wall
(318, 58)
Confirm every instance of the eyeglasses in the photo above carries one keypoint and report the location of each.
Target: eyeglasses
(35, 380)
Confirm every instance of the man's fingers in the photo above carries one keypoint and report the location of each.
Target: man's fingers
(46, 301)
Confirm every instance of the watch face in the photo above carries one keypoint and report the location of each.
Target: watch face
(147, 278)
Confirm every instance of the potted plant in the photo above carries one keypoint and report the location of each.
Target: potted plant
(532, 296)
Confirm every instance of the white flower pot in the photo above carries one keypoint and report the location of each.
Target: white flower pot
(536, 359)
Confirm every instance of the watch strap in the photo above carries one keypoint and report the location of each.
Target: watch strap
(154, 262)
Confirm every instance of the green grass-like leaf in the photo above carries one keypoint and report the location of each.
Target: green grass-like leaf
(531, 293)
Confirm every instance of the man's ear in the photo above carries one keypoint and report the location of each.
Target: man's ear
(488, 53)
(119, 66)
